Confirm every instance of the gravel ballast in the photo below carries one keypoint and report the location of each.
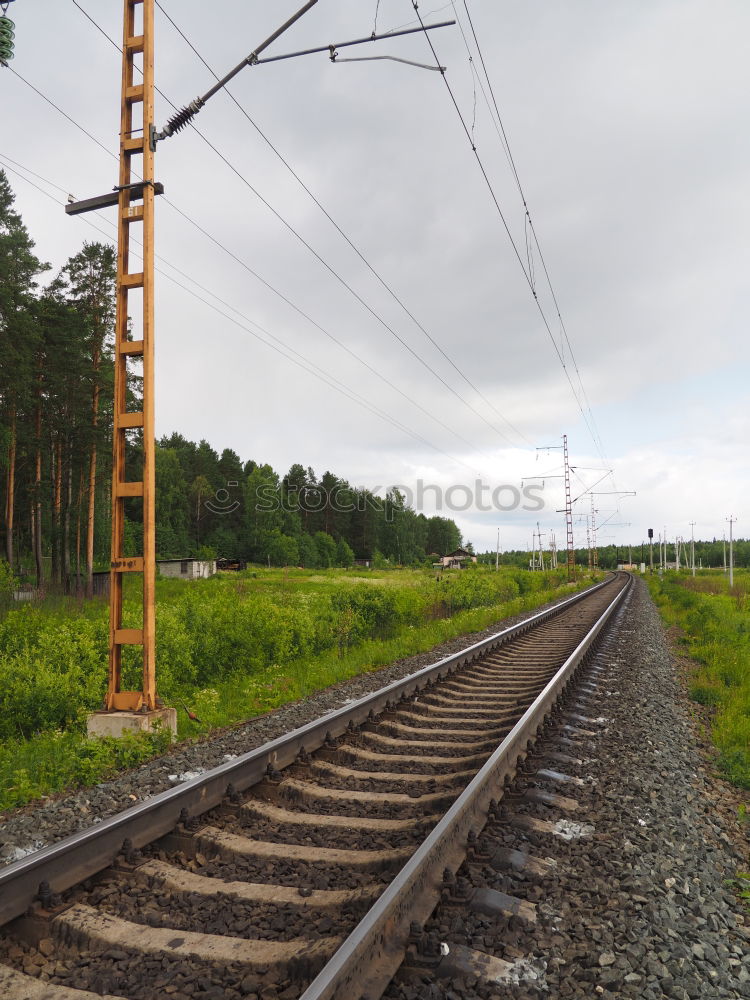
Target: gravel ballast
(38, 825)
(643, 905)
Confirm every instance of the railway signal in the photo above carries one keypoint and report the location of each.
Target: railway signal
(134, 197)
(651, 548)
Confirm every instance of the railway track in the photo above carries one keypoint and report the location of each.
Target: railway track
(307, 867)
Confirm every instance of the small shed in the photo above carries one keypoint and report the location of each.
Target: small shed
(457, 559)
(231, 565)
(187, 569)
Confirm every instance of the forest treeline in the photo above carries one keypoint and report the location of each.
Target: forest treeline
(712, 554)
(56, 375)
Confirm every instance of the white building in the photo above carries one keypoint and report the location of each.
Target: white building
(187, 569)
(457, 559)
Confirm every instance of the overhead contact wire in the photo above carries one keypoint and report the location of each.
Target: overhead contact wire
(471, 446)
(342, 233)
(511, 160)
(304, 363)
(331, 270)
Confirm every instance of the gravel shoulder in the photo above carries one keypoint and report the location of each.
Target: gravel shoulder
(40, 824)
(644, 904)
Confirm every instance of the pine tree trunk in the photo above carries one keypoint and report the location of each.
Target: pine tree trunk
(90, 524)
(32, 525)
(66, 524)
(57, 513)
(10, 488)
(37, 503)
(54, 566)
(78, 535)
(92, 482)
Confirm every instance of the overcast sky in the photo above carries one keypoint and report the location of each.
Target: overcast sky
(627, 122)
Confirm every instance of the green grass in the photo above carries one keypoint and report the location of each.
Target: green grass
(230, 701)
(51, 761)
(231, 648)
(714, 624)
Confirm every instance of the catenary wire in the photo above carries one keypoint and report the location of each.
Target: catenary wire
(506, 145)
(338, 228)
(493, 195)
(327, 333)
(304, 363)
(331, 270)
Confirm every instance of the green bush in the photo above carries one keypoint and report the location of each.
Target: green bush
(230, 647)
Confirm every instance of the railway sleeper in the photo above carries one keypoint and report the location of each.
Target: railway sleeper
(457, 723)
(335, 771)
(460, 736)
(464, 703)
(19, 986)
(173, 879)
(292, 790)
(361, 755)
(544, 798)
(504, 859)
(531, 674)
(82, 927)
(437, 960)
(459, 892)
(458, 748)
(229, 846)
(260, 809)
(485, 689)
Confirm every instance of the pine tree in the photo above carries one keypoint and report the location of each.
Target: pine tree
(90, 276)
(19, 266)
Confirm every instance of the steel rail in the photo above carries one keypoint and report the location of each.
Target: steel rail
(83, 854)
(369, 957)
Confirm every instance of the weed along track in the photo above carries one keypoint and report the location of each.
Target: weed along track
(304, 868)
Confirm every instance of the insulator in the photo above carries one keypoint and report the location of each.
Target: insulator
(178, 121)
(6, 39)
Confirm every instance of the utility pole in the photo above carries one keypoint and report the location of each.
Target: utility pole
(594, 551)
(571, 554)
(588, 542)
(497, 552)
(135, 206)
(538, 535)
(134, 200)
(731, 520)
